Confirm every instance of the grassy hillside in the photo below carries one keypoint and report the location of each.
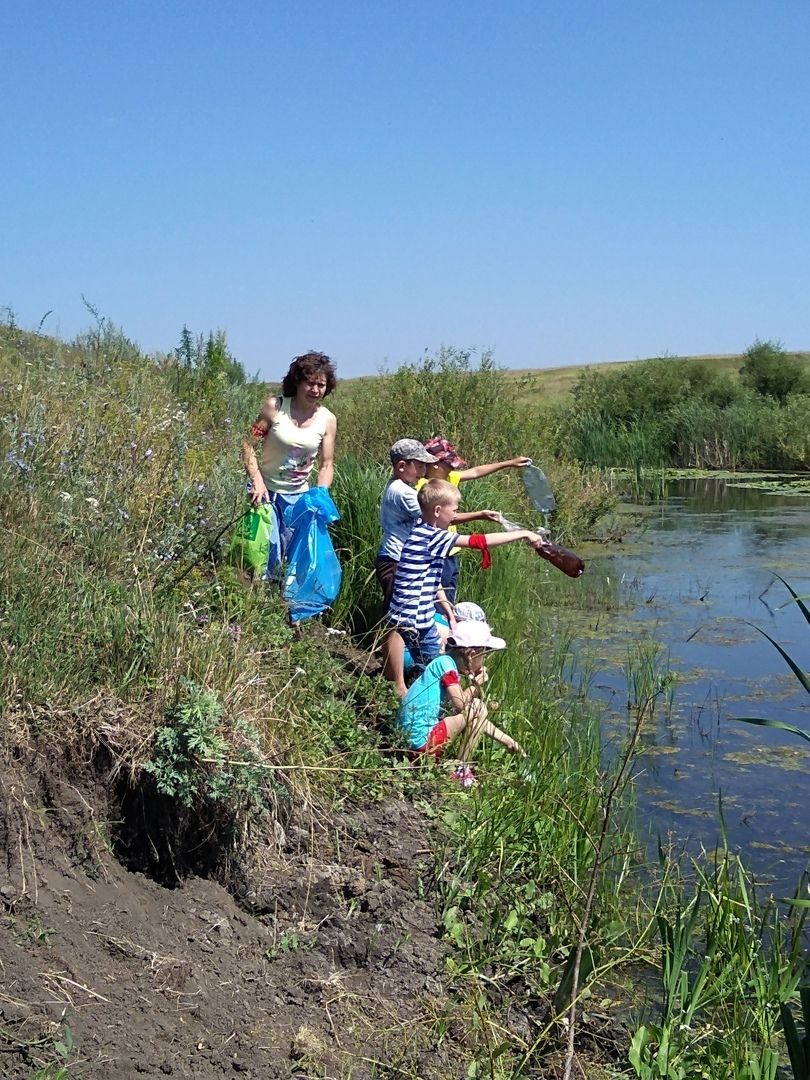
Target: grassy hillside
(555, 383)
(197, 738)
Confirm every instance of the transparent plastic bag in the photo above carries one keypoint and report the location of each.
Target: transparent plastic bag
(538, 489)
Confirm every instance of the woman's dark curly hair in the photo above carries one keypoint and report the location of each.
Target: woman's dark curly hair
(304, 367)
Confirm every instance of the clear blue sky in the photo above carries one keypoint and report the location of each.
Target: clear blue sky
(561, 182)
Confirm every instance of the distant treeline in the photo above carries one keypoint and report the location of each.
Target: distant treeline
(683, 412)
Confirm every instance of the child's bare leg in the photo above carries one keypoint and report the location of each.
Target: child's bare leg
(475, 725)
(393, 654)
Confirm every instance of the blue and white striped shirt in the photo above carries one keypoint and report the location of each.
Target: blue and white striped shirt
(419, 574)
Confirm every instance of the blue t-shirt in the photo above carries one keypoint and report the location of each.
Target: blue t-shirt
(419, 575)
(399, 512)
(422, 705)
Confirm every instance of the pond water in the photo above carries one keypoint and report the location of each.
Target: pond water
(692, 579)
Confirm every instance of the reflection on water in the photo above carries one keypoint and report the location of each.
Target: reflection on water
(693, 581)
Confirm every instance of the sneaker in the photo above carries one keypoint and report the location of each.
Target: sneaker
(464, 775)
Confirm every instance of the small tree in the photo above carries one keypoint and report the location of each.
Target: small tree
(771, 371)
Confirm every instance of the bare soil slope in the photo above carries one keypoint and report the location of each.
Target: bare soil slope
(329, 963)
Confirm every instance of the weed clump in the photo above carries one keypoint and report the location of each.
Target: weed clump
(193, 759)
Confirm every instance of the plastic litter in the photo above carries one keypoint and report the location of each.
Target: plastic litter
(313, 575)
(250, 543)
(540, 495)
(538, 489)
(527, 770)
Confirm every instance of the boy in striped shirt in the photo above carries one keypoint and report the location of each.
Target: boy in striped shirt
(417, 585)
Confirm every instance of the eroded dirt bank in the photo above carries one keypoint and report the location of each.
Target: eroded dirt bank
(327, 963)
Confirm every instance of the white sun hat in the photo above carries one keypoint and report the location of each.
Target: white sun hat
(474, 635)
(467, 611)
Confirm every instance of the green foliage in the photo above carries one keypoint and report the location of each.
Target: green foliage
(792, 430)
(471, 403)
(802, 677)
(104, 344)
(193, 757)
(728, 968)
(515, 872)
(648, 389)
(684, 413)
(357, 491)
(287, 941)
(63, 1046)
(204, 369)
(798, 1045)
(771, 371)
(38, 932)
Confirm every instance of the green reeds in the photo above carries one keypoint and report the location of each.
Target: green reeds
(729, 967)
(680, 413)
(798, 1045)
(800, 675)
(648, 677)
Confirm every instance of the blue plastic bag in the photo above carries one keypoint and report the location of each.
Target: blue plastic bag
(313, 576)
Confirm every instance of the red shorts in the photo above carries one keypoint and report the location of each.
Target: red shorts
(436, 739)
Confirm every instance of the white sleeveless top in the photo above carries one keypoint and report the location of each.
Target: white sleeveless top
(289, 452)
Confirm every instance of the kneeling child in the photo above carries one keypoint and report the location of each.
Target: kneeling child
(438, 689)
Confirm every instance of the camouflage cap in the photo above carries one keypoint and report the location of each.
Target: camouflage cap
(410, 450)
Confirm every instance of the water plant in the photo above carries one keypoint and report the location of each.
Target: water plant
(799, 673)
(798, 1045)
(729, 966)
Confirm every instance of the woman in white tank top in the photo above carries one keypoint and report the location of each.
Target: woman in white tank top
(295, 430)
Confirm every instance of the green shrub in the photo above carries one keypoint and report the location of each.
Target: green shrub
(682, 413)
(474, 404)
(193, 757)
(771, 371)
(792, 430)
(649, 388)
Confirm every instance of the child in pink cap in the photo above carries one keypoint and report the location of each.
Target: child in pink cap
(450, 466)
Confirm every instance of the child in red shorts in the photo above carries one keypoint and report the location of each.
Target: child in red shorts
(439, 686)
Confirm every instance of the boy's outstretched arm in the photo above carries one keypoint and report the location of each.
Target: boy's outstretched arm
(477, 471)
(497, 539)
